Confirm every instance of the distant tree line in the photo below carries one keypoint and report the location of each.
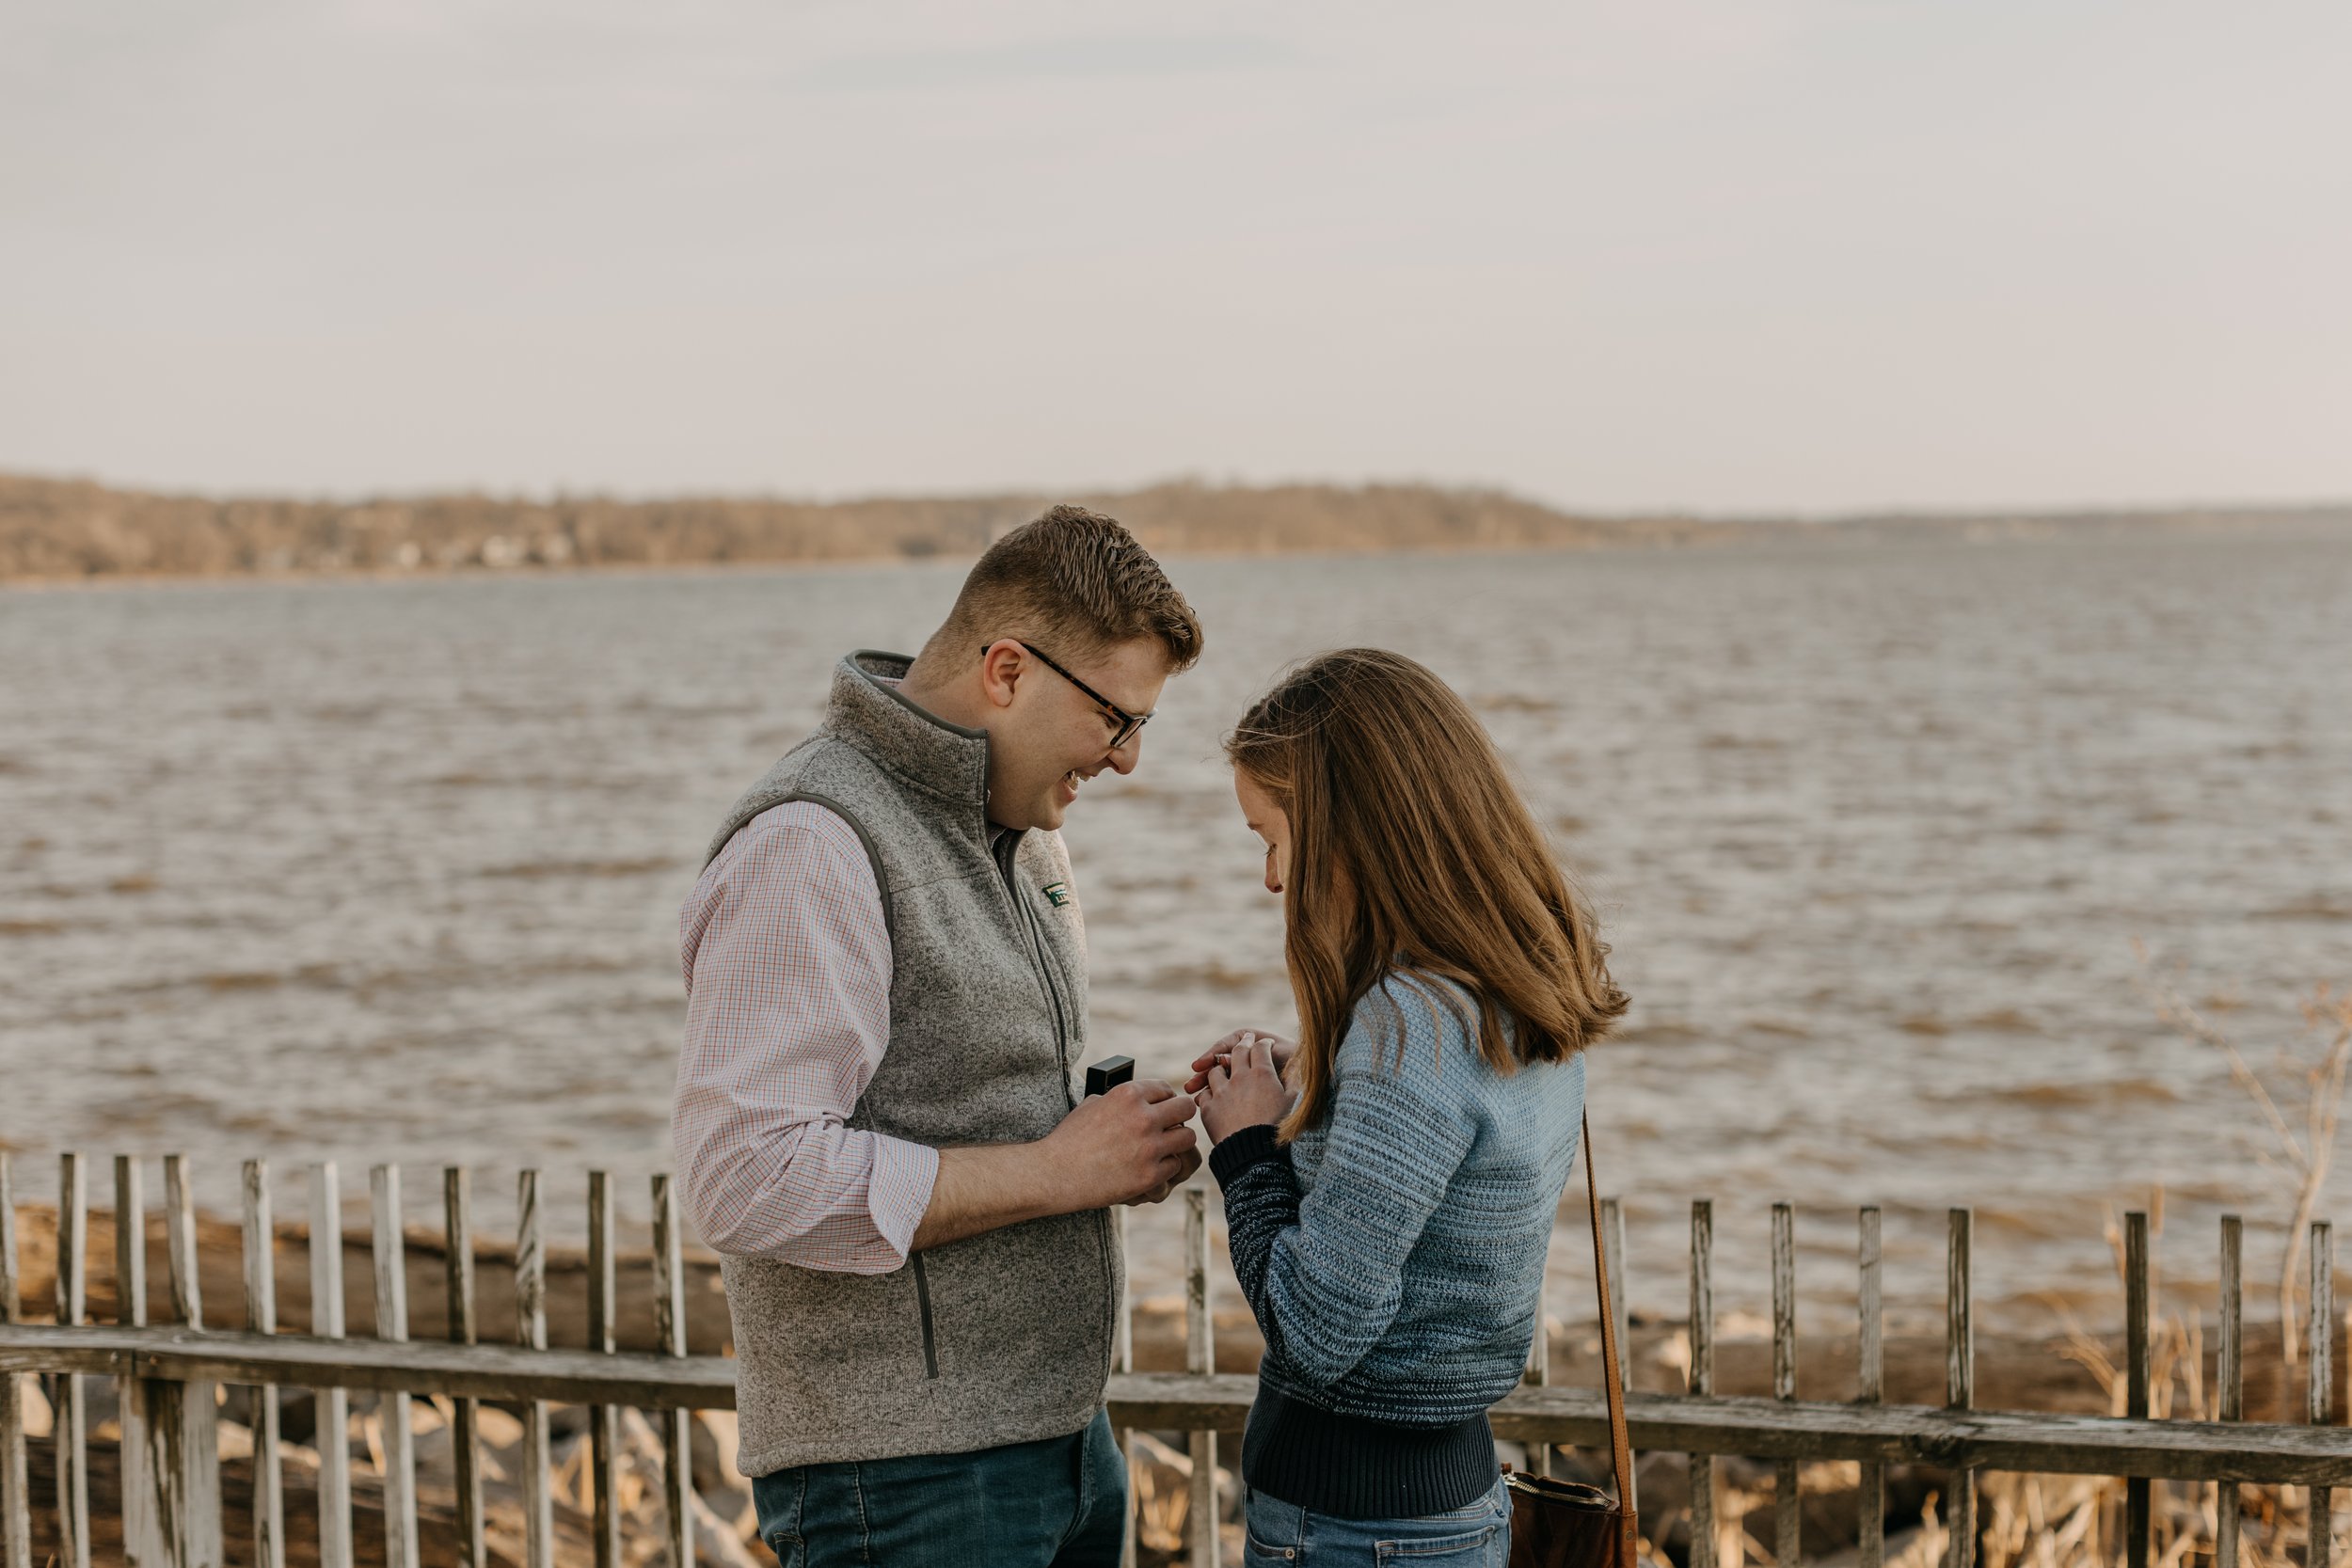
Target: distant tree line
(52, 527)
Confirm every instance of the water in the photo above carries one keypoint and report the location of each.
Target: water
(378, 870)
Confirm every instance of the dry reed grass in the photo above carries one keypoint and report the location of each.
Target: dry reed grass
(2311, 1083)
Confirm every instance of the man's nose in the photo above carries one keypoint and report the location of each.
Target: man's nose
(1123, 758)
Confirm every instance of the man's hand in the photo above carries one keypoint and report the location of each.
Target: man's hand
(1129, 1146)
(1182, 1175)
(1222, 1055)
(1244, 1091)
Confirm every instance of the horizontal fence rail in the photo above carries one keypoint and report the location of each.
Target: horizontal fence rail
(416, 1367)
(641, 1433)
(1756, 1428)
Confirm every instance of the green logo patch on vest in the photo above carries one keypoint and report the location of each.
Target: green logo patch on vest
(1057, 893)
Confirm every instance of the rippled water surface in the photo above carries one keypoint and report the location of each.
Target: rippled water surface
(385, 870)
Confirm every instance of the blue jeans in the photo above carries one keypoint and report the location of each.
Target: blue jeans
(1283, 1535)
(1060, 1502)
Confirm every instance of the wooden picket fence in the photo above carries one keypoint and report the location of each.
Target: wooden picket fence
(168, 1374)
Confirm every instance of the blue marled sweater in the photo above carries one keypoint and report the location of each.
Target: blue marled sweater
(1392, 1254)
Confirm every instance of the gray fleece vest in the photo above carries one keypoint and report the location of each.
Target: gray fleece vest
(1002, 1338)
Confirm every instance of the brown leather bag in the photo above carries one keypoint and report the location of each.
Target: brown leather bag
(1561, 1524)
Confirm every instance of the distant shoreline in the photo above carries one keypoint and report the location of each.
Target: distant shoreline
(320, 576)
(1766, 535)
(75, 534)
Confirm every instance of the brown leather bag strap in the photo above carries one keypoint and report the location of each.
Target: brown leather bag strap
(1620, 1440)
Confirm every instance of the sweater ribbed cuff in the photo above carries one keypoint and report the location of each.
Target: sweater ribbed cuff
(1240, 1150)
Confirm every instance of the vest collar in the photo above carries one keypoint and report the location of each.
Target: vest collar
(910, 743)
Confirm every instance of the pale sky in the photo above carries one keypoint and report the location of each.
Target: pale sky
(1736, 254)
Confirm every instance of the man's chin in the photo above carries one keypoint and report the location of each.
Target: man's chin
(1045, 816)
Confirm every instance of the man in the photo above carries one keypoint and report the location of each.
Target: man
(876, 1126)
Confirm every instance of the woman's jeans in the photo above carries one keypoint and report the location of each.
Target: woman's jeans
(1060, 1502)
(1283, 1535)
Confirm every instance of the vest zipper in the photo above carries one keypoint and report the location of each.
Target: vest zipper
(1061, 1054)
(923, 1303)
(1038, 956)
(1052, 994)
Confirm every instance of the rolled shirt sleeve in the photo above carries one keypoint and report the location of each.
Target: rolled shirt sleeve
(786, 960)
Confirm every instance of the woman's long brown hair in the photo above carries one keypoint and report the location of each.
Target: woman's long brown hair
(1413, 855)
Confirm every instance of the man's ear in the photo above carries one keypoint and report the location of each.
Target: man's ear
(1001, 669)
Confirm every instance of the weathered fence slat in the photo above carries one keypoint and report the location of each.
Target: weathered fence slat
(16, 1510)
(184, 1418)
(1785, 1510)
(142, 1542)
(260, 1317)
(2230, 1373)
(187, 1288)
(465, 1414)
(1613, 1244)
(130, 1244)
(1959, 1378)
(72, 1426)
(2322, 1386)
(331, 1406)
(1871, 1385)
(1538, 1370)
(1700, 1380)
(604, 1420)
(394, 1413)
(1123, 1360)
(669, 1332)
(1200, 1359)
(2138, 1497)
(530, 1333)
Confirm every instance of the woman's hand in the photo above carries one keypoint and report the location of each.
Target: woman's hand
(1220, 1054)
(1244, 1090)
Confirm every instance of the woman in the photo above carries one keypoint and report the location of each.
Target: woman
(1390, 1180)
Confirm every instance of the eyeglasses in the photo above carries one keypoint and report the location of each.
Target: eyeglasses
(1123, 724)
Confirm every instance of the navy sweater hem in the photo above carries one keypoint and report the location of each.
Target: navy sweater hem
(1354, 1468)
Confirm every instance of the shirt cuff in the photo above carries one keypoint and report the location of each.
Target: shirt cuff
(1251, 1146)
(899, 1193)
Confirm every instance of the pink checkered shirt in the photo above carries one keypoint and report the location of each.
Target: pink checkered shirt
(787, 1011)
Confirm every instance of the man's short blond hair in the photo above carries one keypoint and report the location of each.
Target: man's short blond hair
(1072, 580)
